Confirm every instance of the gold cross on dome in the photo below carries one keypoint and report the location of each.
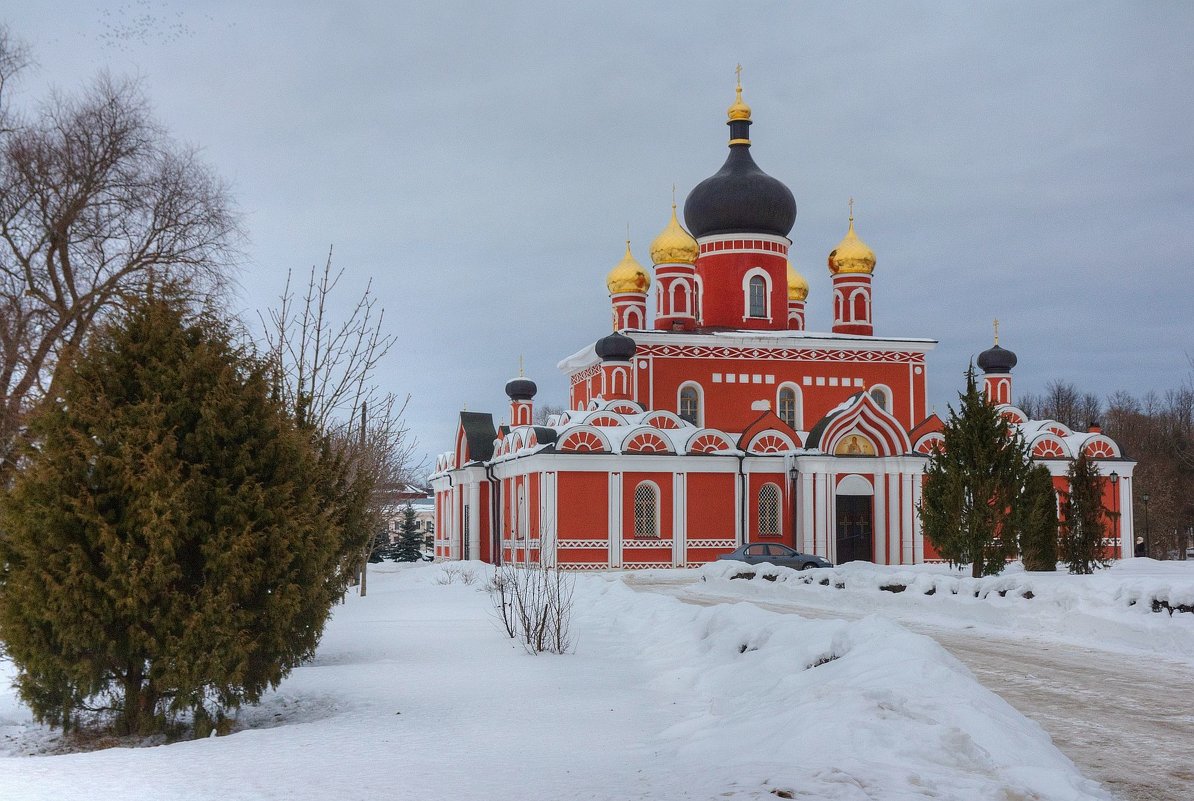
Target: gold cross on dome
(996, 330)
(851, 209)
(738, 71)
(520, 372)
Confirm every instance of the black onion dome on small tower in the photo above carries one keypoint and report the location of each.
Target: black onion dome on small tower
(996, 360)
(521, 389)
(615, 348)
(740, 197)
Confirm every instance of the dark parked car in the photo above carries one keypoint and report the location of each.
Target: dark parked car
(754, 553)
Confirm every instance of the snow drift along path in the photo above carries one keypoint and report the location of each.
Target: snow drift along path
(1109, 680)
(415, 694)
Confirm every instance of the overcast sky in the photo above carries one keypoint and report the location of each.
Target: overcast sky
(480, 162)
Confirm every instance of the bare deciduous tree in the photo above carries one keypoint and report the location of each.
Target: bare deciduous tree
(96, 202)
(327, 366)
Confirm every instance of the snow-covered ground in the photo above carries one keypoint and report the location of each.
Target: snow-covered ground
(1112, 607)
(416, 694)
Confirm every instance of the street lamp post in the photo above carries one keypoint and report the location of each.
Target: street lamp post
(1147, 542)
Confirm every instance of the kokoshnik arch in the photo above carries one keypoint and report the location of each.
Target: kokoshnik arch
(724, 420)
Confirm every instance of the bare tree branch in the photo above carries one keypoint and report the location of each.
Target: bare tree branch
(96, 204)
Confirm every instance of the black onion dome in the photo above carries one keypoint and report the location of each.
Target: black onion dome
(996, 360)
(521, 389)
(615, 348)
(740, 198)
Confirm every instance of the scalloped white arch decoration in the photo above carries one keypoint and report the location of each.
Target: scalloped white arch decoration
(1100, 446)
(709, 440)
(1047, 445)
(855, 484)
(771, 441)
(584, 439)
(644, 439)
(929, 443)
(665, 420)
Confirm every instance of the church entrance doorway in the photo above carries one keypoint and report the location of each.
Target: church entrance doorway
(855, 538)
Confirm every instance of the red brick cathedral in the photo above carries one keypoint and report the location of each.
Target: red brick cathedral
(724, 420)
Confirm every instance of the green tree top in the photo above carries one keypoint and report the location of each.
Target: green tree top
(972, 483)
(167, 547)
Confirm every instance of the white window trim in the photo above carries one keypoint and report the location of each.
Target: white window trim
(866, 296)
(700, 393)
(752, 273)
(887, 393)
(798, 396)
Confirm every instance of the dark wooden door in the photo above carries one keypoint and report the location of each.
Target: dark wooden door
(855, 519)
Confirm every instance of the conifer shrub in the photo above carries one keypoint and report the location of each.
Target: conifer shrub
(1085, 522)
(409, 547)
(172, 542)
(972, 484)
(1036, 520)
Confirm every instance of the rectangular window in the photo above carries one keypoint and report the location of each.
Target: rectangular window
(717, 378)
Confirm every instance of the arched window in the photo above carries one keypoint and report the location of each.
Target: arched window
(758, 297)
(689, 407)
(769, 511)
(787, 407)
(646, 510)
(696, 301)
(882, 398)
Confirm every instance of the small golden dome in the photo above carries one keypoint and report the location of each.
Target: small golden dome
(797, 286)
(851, 254)
(674, 245)
(628, 275)
(738, 111)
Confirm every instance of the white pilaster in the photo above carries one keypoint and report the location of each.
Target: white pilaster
(881, 547)
(914, 539)
(679, 519)
(807, 541)
(615, 519)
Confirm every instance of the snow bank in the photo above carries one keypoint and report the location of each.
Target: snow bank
(416, 694)
(831, 709)
(1118, 606)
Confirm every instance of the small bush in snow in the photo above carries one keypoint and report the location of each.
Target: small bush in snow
(534, 604)
(455, 573)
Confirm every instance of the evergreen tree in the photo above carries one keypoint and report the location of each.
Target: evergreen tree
(1085, 518)
(972, 484)
(168, 544)
(409, 547)
(1036, 521)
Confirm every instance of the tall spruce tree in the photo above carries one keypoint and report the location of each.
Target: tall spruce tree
(972, 484)
(409, 547)
(1084, 526)
(1036, 520)
(169, 546)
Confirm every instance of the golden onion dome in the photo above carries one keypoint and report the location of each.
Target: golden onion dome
(797, 286)
(739, 110)
(628, 275)
(851, 254)
(674, 245)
